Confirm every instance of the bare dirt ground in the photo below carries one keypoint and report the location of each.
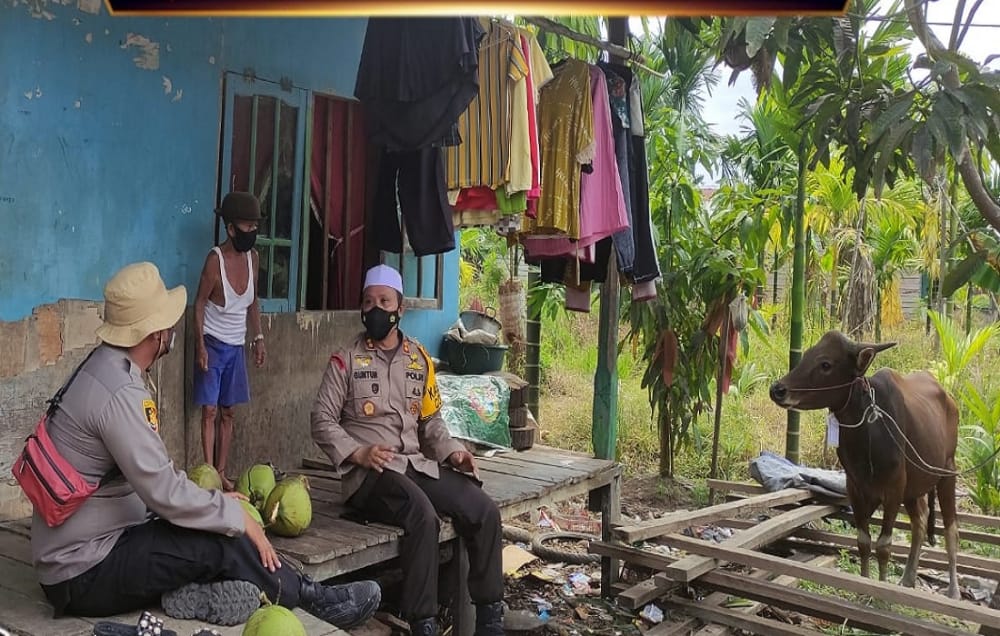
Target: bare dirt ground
(557, 596)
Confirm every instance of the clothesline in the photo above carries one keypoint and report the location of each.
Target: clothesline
(615, 49)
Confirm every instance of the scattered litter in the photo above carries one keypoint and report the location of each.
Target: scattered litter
(545, 521)
(549, 575)
(522, 621)
(652, 613)
(514, 558)
(581, 612)
(580, 583)
(541, 603)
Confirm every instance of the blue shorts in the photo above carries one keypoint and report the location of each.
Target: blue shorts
(225, 383)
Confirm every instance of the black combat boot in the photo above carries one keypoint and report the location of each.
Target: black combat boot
(489, 619)
(424, 627)
(344, 606)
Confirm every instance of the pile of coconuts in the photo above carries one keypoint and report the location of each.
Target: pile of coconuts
(282, 507)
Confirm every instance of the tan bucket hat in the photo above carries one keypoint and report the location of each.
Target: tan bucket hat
(137, 303)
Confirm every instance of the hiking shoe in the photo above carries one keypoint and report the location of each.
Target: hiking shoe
(219, 603)
(344, 606)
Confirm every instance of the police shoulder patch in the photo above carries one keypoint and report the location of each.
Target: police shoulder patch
(338, 362)
(152, 418)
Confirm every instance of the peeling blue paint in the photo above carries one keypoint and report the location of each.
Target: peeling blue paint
(108, 156)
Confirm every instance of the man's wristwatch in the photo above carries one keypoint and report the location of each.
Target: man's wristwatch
(258, 338)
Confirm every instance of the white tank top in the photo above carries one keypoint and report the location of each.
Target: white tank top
(229, 323)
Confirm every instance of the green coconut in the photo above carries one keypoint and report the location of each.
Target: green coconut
(206, 476)
(274, 620)
(288, 510)
(254, 513)
(256, 483)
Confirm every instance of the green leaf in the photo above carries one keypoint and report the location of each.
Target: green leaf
(790, 66)
(923, 155)
(756, 33)
(962, 62)
(962, 273)
(947, 113)
(896, 111)
(889, 145)
(987, 278)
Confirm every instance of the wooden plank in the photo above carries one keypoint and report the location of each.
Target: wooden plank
(684, 518)
(514, 507)
(16, 546)
(935, 558)
(641, 593)
(545, 477)
(679, 627)
(548, 456)
(693, 566)
(530, 467)
(830, 608)
(492, 471)
(853, 583)
(827, 607)
(964, 518)
(20, 614)
(753, 624)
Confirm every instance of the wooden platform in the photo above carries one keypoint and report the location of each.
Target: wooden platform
(518, 481)
(813, 551)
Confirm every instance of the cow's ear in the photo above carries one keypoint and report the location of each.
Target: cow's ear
(865, 356)
(866, 353)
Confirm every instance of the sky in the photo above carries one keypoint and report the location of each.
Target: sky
(980, 42)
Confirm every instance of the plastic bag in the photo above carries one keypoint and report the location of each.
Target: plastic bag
(474, 407)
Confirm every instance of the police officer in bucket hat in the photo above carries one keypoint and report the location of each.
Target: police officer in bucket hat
(151, 535)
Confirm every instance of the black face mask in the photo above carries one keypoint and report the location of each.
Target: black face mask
(244, 241)
(379, 322)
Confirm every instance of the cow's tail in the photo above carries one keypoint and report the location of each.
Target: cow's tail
(930, 516)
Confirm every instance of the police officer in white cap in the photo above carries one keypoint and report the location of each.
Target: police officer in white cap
(377, 417)
(152, 531)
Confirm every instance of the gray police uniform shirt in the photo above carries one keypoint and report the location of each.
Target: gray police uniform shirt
(369, 396)
(107, 417)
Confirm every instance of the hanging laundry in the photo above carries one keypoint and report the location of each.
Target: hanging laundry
(630, 149)
(423, 203)
(566, 140)
(482, 158)
(624, 240)
(539, 74)
(416, 77)
(602, 204)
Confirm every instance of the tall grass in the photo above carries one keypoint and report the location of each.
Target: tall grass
(751, 422)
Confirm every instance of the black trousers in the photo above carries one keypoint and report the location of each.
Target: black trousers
(419, 178)
(157, 557)
(412, 502)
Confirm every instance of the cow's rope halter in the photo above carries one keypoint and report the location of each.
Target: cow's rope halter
(873, 412)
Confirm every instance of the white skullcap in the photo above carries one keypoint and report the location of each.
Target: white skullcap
(383, 275)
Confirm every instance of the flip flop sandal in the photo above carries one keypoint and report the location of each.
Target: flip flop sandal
(148, 625)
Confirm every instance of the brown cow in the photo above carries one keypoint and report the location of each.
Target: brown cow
(882, 466)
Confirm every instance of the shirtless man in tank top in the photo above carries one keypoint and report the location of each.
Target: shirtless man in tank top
(226, 301)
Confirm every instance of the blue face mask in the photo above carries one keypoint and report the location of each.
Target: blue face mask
(379, 322)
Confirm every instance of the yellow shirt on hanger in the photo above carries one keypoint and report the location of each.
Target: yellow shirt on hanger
(520, 140)
(566, 137)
